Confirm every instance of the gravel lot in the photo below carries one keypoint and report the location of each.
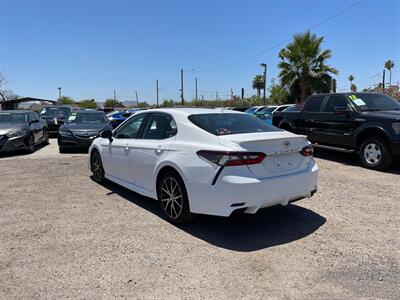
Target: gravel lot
(62, 235)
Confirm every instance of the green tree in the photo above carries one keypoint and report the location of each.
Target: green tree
(278, 94)
(258, 83)
(351, 78)
(334, 85)
(65, 100)
(112, 103)
(88, 104)
(282, 53)
(168, 103)
(389, 64)
(353, 88)
(303, 69)
(143, 104)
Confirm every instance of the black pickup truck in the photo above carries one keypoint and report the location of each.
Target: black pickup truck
(368, 123)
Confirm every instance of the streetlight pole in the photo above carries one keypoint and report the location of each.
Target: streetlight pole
(59, 93)
(196, 90)
(182, 98)
(265, 81)
(157, 92)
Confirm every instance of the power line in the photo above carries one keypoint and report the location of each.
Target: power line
(282, 42)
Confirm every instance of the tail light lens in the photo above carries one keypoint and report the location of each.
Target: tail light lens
(307, 151)
(227, 158)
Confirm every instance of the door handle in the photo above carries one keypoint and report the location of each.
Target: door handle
(159, 149)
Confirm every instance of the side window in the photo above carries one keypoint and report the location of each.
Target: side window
(313, 104)
(335, 101)
(130, 129)
(159, 127)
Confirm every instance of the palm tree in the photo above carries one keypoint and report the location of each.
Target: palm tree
(304, 68)
(258, 83)
(353, 88)
(281, 54)
(351, 78)
(389, 64)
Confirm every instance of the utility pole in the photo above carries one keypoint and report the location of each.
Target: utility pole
(182, 98)
(242, 93)
(137, 99)
(59, 93)
(383, 80)
(115, 96)
(265, 81)
(217, 95)
(231, 94)
(157, 92)
(196, 89)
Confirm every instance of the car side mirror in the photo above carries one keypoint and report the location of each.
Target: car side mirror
(107, 134)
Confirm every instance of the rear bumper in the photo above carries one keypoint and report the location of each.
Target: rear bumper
(247, 192)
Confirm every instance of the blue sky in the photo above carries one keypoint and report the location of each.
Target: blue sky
(91, 47)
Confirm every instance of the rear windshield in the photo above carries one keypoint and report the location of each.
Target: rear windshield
(87, 118)
(55, 112)
(224, 124)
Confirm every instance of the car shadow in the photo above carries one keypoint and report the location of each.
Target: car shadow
(350, 159)
(240, 232)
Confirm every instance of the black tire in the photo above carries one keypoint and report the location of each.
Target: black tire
(171, 192)
(96, 166)
(375, 154)
(46, 136)
(30, 144)
(62, 149)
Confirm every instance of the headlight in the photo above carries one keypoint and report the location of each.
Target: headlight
(16, 134)
(396, 128)
(65, 132)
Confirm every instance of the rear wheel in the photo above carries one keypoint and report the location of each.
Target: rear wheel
(375, 154)
(173, 198)
(96, 167)
(30, 144)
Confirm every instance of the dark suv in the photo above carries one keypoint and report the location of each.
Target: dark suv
(368, 123)
(55, 116)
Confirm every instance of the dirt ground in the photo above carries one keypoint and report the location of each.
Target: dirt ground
(64, 236)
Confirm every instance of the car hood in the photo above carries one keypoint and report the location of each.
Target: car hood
(387, 114)
(85, 127)
(7, 127)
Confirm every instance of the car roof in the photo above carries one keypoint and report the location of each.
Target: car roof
(89, 112)
(349, 93)
(16, 111)
(186, 111)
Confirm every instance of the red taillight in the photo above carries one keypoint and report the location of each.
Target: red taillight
(307, 151)
(228, 158)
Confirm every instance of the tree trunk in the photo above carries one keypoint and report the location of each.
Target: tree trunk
(390, 77)
(303, 88)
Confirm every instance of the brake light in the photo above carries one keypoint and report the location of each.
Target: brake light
(307, 150)
(228, 158)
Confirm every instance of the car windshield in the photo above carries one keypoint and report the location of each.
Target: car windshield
(373, 102)
(55, 112)
(87, 118)
(230, 123)
(9, 117)
(268, 110)
(251, 109)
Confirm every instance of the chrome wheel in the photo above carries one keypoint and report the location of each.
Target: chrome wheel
(372, 154)
(31, 144)
(171, 197)
(97, 167)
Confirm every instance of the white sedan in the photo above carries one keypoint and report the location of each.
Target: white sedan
(202, 161)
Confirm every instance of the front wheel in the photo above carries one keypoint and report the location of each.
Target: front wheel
(30, 144)
(173, 198)
(375, 154)
(96, 167)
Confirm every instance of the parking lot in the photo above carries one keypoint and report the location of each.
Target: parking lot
(63, 235)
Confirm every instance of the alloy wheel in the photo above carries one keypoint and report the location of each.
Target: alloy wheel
(372, 154)
(171, 197)
(97, 167)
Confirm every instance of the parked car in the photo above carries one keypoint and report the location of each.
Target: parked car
(199, 161)
(266, 113)
(240, 108)
(118, 117)
(252, 110)
(55, 116)
(368, 123)
(21, 129)
(81, 128)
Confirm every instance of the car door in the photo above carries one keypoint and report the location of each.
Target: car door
(312, 118)
(116, 154)
(339, 122)
(157, 138)
(36, 127)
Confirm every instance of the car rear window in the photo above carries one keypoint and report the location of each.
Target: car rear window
(226, 123)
